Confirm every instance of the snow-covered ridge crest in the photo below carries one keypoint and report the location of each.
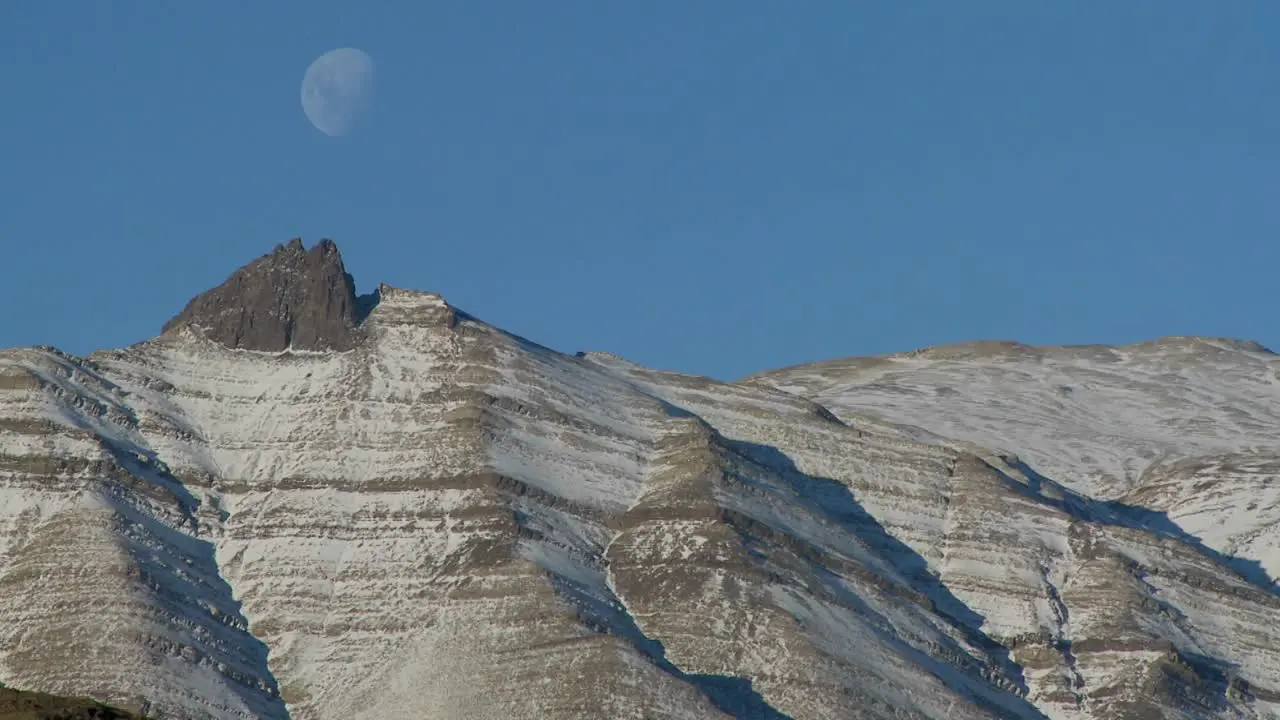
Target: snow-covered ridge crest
(1002, 350)
(398, 305)
(1094, 417)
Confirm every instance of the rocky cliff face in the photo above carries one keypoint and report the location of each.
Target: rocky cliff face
(433, 518)
(292, 298)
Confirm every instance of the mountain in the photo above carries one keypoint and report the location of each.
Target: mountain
(299, 502)
(1185, 426)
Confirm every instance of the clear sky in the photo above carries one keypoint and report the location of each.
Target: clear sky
(714, 187)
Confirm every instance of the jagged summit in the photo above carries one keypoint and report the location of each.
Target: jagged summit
(291, 297)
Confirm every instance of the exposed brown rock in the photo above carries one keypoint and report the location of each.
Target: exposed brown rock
(290, 298)
(18, 705)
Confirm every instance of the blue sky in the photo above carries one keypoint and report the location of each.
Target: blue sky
(713, 187)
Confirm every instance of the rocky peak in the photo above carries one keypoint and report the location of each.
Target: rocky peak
(291, 297)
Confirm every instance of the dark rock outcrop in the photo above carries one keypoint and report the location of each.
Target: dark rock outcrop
(291, 298)
(17, 705)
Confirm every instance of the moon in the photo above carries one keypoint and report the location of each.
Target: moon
(337, 90)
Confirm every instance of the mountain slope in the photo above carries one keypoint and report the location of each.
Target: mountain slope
(1189, 427)
(413, 514)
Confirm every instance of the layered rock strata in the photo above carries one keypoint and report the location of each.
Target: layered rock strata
(308, 505)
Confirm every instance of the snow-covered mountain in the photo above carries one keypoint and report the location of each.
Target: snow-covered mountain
(1185, 426)
(297, 502)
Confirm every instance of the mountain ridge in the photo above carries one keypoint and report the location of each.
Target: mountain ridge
(308, 530)
(994, 348)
